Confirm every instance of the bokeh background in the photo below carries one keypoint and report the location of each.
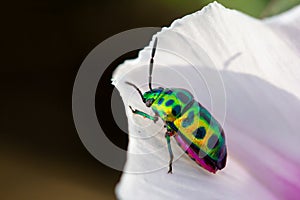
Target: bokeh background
(43, 45)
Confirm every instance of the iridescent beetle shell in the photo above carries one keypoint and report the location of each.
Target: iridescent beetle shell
(196, 131)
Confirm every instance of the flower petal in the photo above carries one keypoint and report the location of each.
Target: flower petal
(257, 70)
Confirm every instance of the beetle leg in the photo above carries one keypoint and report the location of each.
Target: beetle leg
(138, 112)
(168, 135)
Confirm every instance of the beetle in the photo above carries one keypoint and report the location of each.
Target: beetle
(195, 130)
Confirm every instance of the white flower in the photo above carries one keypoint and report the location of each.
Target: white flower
(247, 73)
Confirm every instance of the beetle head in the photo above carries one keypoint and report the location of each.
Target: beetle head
(150, 96)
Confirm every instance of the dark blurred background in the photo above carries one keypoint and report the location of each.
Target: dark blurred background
(43, 45)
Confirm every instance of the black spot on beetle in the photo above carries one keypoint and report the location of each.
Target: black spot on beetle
(160, 101)
(176, 110)
(199, 133)
(213, 142)
(189, 120)
(182, 97)
(170, 102)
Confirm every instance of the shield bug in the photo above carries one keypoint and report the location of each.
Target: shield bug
(195, 130)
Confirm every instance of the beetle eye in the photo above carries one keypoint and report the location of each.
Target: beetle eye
(149, 102)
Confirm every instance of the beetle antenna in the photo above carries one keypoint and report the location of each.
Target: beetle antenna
(137, 90)
(151, 63)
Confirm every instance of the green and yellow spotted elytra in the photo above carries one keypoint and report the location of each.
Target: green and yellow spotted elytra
(195, 130)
